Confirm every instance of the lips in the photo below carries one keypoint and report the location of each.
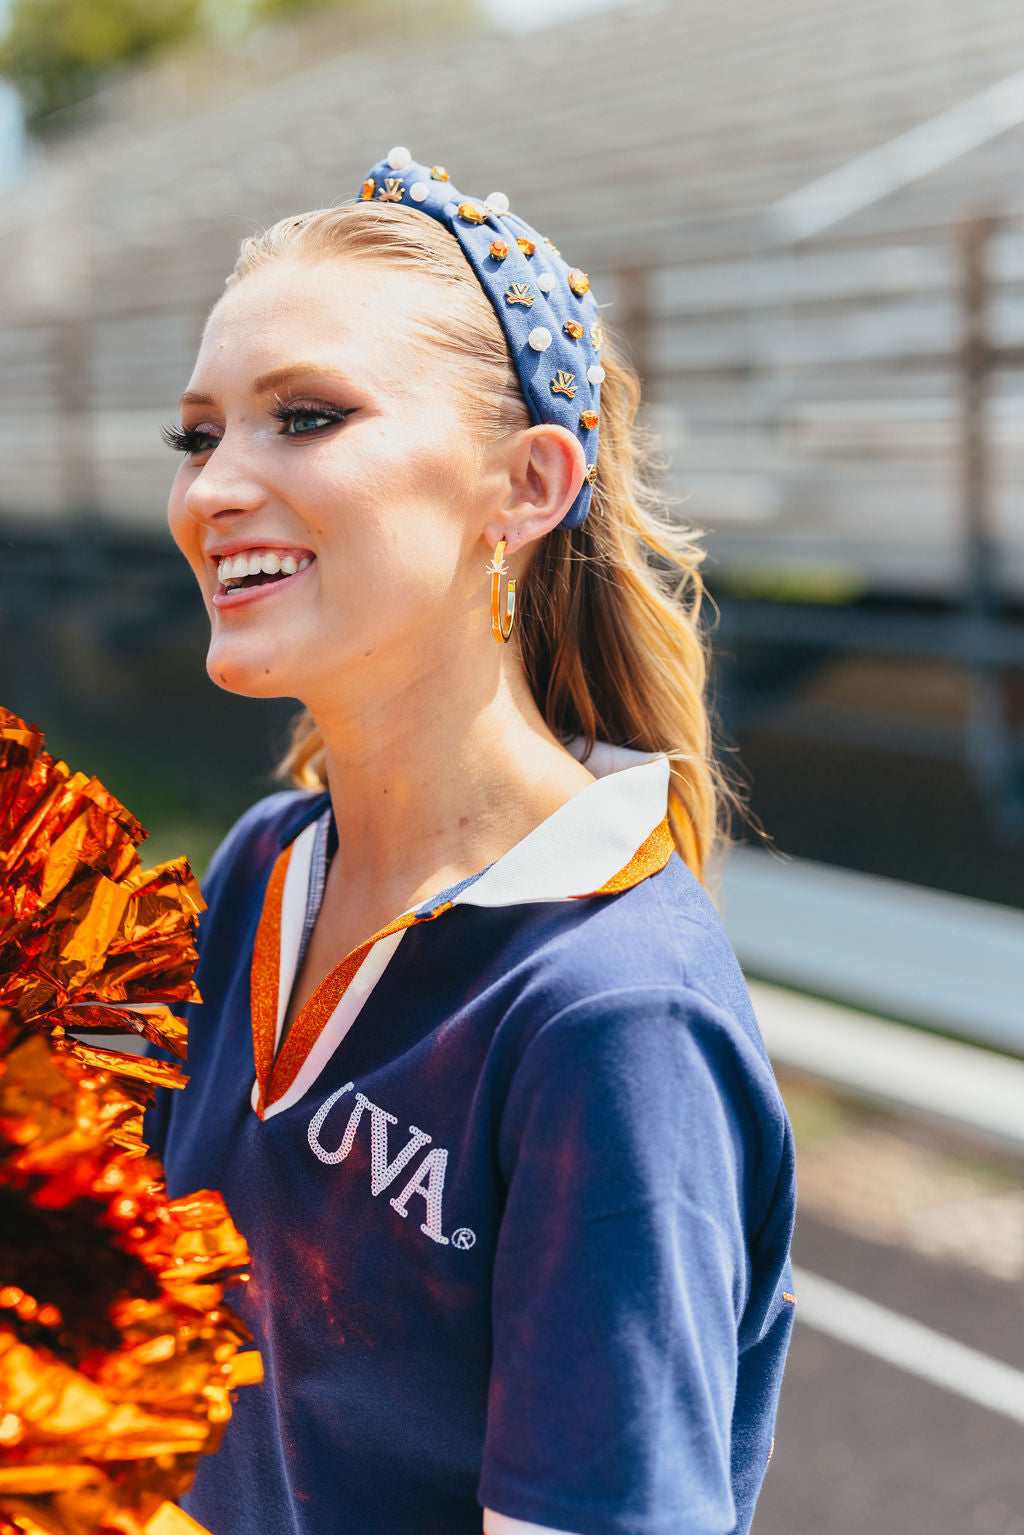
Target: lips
(256, 572)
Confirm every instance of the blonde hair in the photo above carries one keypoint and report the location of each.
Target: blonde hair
(609, 623)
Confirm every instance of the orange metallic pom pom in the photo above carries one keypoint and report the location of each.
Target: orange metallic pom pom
(118, 1356)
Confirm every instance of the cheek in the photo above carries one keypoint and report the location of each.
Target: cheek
(182, 527)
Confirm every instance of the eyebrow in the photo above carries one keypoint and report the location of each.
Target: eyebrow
(267, 381)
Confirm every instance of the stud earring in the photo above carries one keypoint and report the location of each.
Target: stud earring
(501, 627)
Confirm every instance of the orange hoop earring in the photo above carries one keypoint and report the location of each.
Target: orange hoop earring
(501, 628)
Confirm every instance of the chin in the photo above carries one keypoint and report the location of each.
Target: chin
(249, 677)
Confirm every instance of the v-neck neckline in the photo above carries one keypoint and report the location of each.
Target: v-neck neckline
(276, 1072)
(599, 842)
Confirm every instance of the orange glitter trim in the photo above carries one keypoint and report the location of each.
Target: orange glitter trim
(652, 854)
(264, 975)
(309, 1025)
(276, 1077)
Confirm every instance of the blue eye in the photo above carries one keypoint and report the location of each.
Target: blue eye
(296, 415)
(305, 420)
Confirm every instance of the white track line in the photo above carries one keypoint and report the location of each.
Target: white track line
(910, 1346)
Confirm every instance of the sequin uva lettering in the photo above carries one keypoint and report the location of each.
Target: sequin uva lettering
(428, 1178)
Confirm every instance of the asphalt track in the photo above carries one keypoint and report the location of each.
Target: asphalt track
(868, 1446)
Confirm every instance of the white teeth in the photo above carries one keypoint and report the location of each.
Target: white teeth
(254, 562)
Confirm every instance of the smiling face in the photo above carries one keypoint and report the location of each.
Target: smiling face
(330, 447)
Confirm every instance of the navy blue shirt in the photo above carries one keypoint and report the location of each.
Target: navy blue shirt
(520, 1235)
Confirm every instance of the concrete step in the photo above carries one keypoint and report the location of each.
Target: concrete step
(946, 962)
(965, 1086)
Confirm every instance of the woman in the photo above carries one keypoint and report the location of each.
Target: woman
(476, 1070)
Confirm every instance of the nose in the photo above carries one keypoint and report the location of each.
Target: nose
(226, 485)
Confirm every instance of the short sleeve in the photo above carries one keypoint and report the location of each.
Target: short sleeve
(641, 1141)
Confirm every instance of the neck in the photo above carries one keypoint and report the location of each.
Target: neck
(430, 783)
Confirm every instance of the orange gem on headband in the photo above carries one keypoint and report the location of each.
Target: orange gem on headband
(545, 307)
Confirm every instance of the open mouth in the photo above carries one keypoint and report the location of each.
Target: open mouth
(259, 567)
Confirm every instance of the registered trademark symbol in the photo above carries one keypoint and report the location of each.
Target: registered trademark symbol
(463, 1238)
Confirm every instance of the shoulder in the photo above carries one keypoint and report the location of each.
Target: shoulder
(661, 938)
(636, 1005)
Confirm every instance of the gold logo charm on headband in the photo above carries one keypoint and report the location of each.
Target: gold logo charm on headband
(519, 293)
(392, 190)
(564, 383)
(501, 627)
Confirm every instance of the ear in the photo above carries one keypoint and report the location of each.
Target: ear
(545, 469)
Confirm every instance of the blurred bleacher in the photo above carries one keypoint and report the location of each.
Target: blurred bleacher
(683, 122)
(812, 394)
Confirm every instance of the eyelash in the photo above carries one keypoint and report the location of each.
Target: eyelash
(187, 439)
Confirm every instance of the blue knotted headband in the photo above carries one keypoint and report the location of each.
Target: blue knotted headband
(546, 308)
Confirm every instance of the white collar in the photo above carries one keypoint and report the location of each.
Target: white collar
(576, 851)
(587, 840)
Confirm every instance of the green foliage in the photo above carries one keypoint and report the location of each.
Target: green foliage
(269, 10)
(57, 51)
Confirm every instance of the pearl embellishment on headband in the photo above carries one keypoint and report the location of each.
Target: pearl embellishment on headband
(546, 310)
